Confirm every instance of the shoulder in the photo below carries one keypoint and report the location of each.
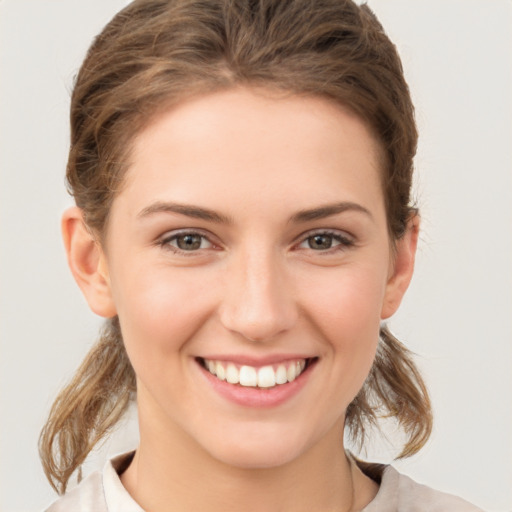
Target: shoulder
(87, 496)
(399, 493)
(101, 491)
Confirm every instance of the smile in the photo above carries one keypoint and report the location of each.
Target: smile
(249, 376)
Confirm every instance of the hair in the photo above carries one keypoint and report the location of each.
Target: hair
(155, 53)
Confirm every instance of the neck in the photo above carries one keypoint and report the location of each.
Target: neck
(172, 473)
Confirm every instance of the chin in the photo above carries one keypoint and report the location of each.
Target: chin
(262, 450)
(247, 457)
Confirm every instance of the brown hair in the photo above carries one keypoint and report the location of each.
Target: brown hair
(156, 52)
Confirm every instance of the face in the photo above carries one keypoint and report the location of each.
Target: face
(249, 262)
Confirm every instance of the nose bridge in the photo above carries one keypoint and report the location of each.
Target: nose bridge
(258, 303)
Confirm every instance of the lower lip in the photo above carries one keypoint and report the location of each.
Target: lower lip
(258, 397)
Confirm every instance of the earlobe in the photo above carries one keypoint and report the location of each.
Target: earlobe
(402, 268)
(87, 263)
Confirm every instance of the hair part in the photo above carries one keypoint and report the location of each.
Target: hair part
(154, 54)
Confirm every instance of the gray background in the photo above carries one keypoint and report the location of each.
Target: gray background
(458, 314)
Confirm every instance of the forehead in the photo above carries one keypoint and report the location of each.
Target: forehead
(244, 144)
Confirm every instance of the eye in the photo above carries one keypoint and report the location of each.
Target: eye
(323, 241)
(186, 242)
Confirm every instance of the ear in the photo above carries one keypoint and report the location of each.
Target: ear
(87, 262)
(402, 267)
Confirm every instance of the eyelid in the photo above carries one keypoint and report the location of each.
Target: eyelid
(345, 239)
(165, 239)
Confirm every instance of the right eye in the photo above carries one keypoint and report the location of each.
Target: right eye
(186, 242)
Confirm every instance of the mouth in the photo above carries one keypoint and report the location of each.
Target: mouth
(263, 377)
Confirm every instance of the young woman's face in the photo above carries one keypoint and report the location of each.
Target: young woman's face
(250, 244)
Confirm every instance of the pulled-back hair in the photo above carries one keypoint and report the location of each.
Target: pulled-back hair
(155, 53)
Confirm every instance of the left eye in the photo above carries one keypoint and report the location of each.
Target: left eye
(188, 242)
(324, 241)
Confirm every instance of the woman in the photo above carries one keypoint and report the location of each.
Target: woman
(242, 176)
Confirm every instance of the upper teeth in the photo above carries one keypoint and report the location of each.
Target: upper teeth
(263, 377)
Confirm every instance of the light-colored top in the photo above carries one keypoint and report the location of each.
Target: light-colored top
(102, 491)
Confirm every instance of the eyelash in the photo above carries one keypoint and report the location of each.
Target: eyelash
(165, 242)
(344, 242)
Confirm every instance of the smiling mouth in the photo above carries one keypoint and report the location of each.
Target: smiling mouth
(263, 377)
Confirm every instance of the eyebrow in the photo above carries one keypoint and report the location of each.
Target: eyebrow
(328, 210)
(195, 212)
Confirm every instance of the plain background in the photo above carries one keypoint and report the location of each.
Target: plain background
(457, 316)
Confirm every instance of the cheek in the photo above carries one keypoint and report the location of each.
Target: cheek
(159, 311)
(345, 307)
(347, 300)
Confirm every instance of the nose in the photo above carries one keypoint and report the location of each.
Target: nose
(258, 301)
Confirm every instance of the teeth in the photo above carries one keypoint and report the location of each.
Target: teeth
(232, 374)
(281, 376)
(264, 377)
(248, 376)
(220, 371)
(291, 372)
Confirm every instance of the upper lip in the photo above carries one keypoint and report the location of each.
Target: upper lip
(248, 360)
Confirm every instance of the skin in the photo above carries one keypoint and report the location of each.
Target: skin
(255, 288)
